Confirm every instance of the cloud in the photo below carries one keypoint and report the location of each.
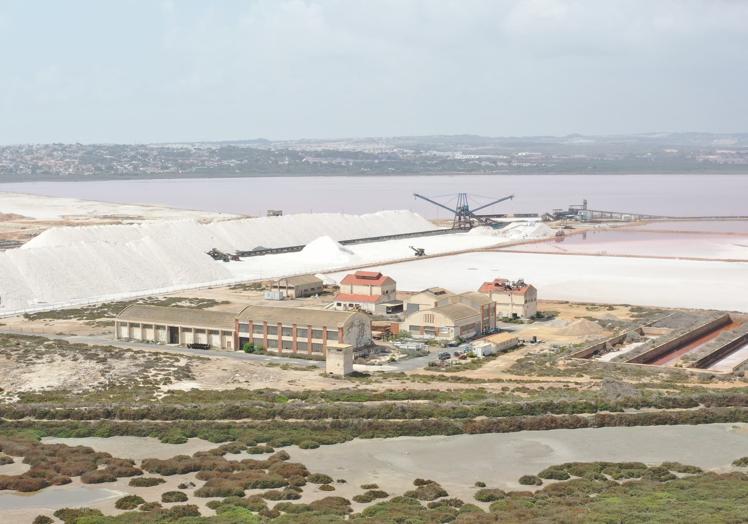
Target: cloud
(290, 68)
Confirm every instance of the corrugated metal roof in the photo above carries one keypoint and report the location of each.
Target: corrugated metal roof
(178, 316)
(298, 316)
(473, 297)
(301, 280)
(455, 311)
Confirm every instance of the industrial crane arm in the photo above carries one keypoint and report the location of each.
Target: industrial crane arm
(434, 202)
(491, 203)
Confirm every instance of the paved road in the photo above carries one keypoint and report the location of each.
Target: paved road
(404, 365)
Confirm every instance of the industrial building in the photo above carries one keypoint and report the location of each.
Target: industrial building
(278, 329)
(368, 291)
(445, 322)
(176, 325)
(299, 286)
(430, 298)
(513, 299)
(302, 330)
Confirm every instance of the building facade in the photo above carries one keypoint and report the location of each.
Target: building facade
(175, 325)
(513, 299)
(276, 329)
(301, 330)
(365, 291)
(448, 322)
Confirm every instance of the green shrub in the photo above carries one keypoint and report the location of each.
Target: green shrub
(145, 482)
(426, 490)
(150, 506)
(308, 444)
(489, 495)
(554, 473)
(327, 487)
(530, 480)
(741, 462)
(71, 515)
(369, 486)
(173, 496)
(129, 502)
(43, 519)
(319, 478)
(371, 495)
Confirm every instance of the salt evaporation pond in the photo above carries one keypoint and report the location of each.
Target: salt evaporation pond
(646, 243)
(135, 448)
(499, 459)
(703, 226)
(581, 278)
(55, 497)
(678, 195)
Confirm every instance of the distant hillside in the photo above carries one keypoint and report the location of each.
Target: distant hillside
(424, 155)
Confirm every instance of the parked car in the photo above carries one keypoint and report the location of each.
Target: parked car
(444, 355)
(195, 345)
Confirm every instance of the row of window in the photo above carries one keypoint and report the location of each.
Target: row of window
(287, 345)
(286, 331)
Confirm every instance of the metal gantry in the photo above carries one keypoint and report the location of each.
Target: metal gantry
(463, 215)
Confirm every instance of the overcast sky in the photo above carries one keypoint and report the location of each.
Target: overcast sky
(157, 71)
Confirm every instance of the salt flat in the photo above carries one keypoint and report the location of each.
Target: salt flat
(57, 208)
(642, 281)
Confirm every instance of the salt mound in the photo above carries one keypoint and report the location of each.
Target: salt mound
(581, 327)
(324, 250)
(516, 231)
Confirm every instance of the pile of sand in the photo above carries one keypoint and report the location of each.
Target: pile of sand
(580, 328)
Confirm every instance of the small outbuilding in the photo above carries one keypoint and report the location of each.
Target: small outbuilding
(300, 286)
(339, 361)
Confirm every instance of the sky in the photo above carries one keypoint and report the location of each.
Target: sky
(141, 71)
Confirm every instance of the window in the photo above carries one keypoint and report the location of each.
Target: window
(243, 328)
(332, 334)
(272, 344)
(317, 333)
(317, 348)
(287, 344)
(287, 331)
(302, 346)
(257, 329)
(272, 330)
(428, 318)
(301, 333)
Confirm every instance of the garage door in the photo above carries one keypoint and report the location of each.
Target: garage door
(214, 339)
(187, 337)
(137, 332)
(201, 337)
(149, 333)
(124, 331)
(161, 334)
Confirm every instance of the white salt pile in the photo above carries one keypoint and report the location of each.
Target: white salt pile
(324, 250)
(516, 231)
(65, 266)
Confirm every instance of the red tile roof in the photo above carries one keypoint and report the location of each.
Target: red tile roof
(366, 278)
(348, 297)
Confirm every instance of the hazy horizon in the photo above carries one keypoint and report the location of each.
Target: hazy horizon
(143, 71)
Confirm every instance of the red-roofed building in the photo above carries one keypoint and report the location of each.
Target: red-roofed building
(513, 299)
(367, 291)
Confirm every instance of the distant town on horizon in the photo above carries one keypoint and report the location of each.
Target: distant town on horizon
(647, 153)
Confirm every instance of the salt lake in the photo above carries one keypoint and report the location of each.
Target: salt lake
(681, 195)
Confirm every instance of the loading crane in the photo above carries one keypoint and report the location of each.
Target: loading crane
(419, 251)
(463, 215)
